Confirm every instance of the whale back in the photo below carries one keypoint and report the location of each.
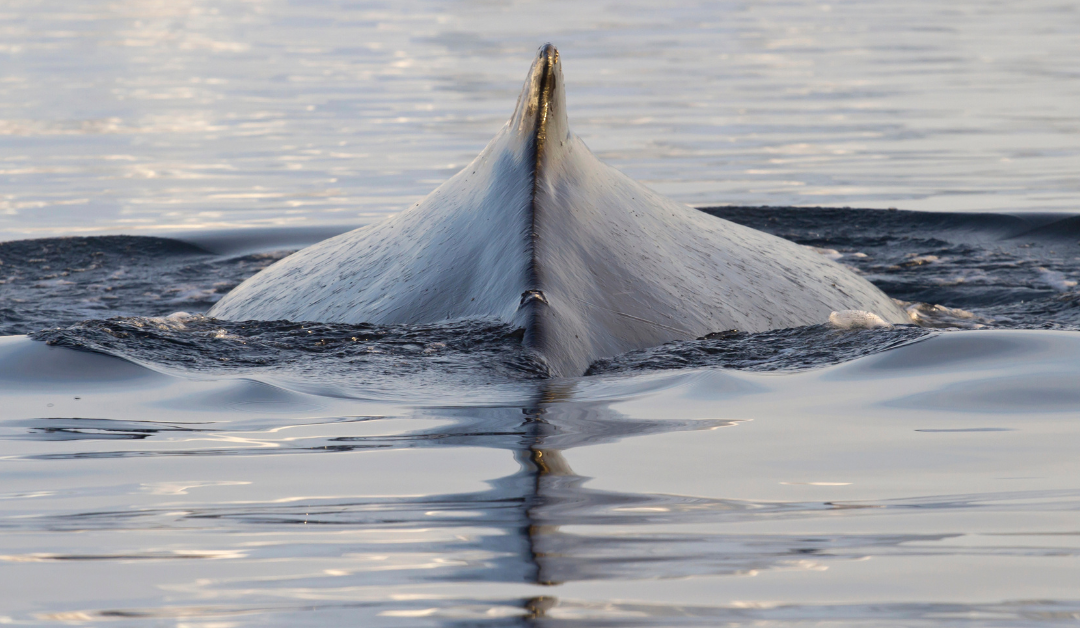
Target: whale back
(537, 232)
(460, 252)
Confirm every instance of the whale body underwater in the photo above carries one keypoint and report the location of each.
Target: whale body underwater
(538, 233)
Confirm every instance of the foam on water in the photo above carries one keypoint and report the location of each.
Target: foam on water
(857, 319)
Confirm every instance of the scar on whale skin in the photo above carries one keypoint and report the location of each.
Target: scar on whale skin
(538, 233)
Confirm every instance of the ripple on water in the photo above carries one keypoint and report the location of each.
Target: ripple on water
(685, 497)
(184, 471)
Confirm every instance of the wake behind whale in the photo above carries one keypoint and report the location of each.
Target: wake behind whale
(538, 233)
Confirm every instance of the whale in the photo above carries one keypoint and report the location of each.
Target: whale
(538, 233)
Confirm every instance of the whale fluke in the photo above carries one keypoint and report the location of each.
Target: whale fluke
(538, 233)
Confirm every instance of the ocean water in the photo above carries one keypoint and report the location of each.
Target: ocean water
(161, 468)
(151, 116)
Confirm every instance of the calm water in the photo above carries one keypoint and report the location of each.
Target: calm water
(161, 470)
(151, 115)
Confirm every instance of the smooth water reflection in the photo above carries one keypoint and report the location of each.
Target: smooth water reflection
(692, 498)
(147, 117)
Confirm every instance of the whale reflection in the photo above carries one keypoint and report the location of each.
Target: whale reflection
(408, 522)
(516, 529)
(530, 508)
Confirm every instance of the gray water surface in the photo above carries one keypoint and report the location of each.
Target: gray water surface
(179, 471)
(933, 484)
(153, 116)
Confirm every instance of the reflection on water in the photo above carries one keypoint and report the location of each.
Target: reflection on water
(857, 493)
(146, 115)
(290, 474)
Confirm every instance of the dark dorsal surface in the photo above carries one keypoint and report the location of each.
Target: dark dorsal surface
(538, 232)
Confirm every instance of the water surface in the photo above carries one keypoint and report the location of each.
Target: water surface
(136, 116)
(171, 469)
(931, 484)
(161, 468)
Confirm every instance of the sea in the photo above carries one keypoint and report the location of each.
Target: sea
(162, 468)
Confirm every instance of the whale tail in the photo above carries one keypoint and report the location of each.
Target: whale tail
(539, 233)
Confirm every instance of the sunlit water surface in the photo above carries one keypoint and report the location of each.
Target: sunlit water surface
(122, 115)
(932, 484)
(176, 470)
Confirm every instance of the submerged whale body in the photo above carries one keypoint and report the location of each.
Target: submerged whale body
(538, 233)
